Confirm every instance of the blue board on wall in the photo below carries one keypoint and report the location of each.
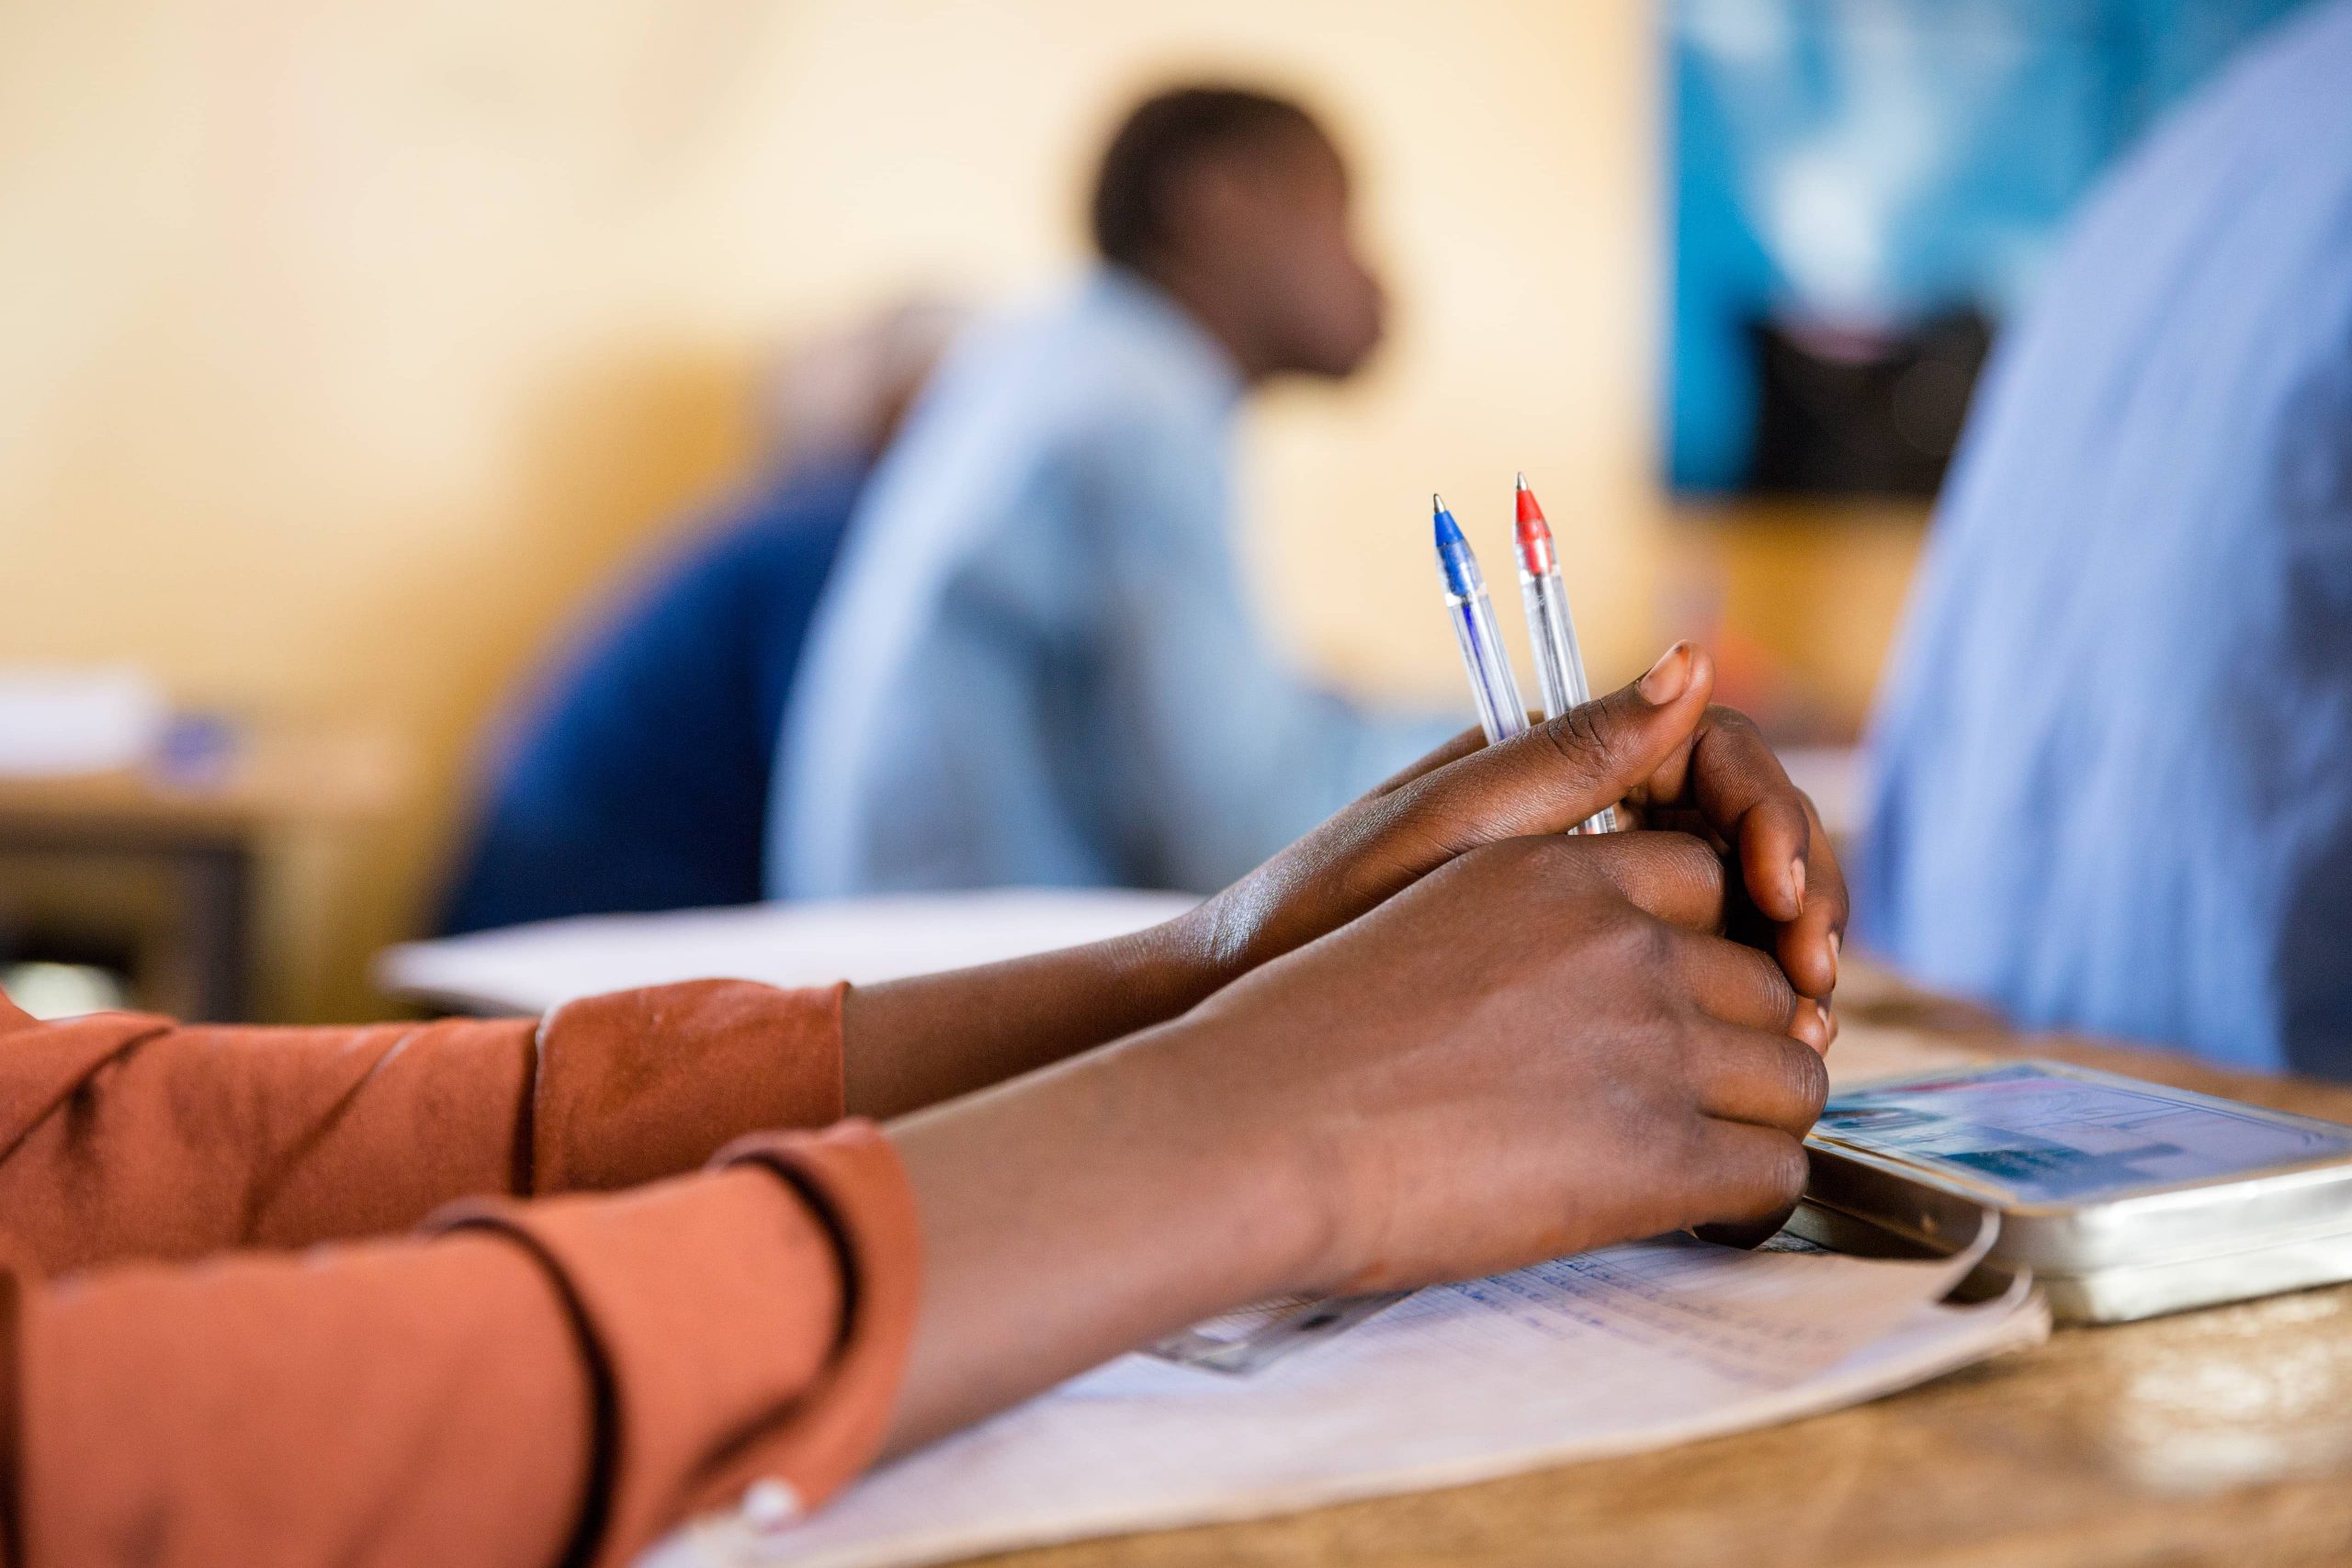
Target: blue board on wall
(1859, 188)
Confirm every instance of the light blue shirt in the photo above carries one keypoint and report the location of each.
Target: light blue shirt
(1035, 663)
(2114, 756)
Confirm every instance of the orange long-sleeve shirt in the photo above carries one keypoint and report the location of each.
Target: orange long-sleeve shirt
(588, 1340)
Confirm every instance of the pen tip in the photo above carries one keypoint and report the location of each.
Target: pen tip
(1437, 502)
(1531, 513)
(1521, 482)
(1449, 532)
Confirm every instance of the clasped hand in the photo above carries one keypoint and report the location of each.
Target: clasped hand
(1437, 1037)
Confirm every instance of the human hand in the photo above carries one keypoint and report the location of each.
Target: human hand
(1538, 1048)
(1655, 748)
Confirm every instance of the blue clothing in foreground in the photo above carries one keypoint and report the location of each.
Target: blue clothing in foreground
(2115, 755)
(639, 778)
(1035, 664)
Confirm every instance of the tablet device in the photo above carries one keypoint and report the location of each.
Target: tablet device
(2124, 1197)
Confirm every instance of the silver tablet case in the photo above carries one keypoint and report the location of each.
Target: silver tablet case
(2136, 1255)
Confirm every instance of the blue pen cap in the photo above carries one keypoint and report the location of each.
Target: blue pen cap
(1453, 557)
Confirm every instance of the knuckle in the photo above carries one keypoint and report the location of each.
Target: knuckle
(1752, 983)
(1808, 1079)
(1779, 995)
(1832, 878)
(1667, 856)
(1727, 720)
(1670, 1037)
(1673, 1119)
(1639, 942)
(1688, 1142)
(1786, 1170)
(1702, 864)
(1656, 1063)
(1705, 876)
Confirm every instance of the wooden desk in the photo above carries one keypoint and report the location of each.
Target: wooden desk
(2216, 1436)
(164, 866)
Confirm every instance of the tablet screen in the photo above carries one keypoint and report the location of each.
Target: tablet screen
(2051, 1138)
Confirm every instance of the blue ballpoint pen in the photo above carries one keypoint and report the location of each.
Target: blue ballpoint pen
(1501, 713)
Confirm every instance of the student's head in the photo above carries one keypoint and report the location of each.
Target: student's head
(1237, 203)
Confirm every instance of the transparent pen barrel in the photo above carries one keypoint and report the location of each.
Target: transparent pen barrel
(1553, 643)
(1559, 663)
(1501, 713)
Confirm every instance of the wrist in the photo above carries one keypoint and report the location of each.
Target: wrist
(1173, 966)
(1084, 1211)
(1248, 1166)
(1302, 894)
(929, 1038)
(1231, 932)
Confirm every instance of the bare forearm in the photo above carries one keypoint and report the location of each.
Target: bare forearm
(1081, 1212)
(919, 1042)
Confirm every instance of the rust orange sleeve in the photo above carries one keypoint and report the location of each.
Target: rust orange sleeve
(123, 1135)
(559, 1381)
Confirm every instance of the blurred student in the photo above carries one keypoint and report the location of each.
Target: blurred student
(2115, 755)
(1035, 663)
(1498, 1043)
(636, 774)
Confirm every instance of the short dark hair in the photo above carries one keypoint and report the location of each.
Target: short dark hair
(1168, 133)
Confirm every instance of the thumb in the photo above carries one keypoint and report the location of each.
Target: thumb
(1566, 769)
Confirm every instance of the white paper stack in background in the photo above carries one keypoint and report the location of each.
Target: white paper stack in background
(59, 722)
(1626, 1349)
(532, 968)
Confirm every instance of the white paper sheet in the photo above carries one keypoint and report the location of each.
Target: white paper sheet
(58, 722)
(1629, 1347)
(531, 968)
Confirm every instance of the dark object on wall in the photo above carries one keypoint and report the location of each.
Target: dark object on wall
(1846, 412)
(1880, 162)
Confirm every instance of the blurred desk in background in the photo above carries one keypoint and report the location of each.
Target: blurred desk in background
(156, 872)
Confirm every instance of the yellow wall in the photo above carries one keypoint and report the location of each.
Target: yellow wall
(348, 345)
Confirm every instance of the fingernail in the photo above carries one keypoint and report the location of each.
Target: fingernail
(1812, 1026)
(1668, 678)
(1797, 888)
(1836, 950)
